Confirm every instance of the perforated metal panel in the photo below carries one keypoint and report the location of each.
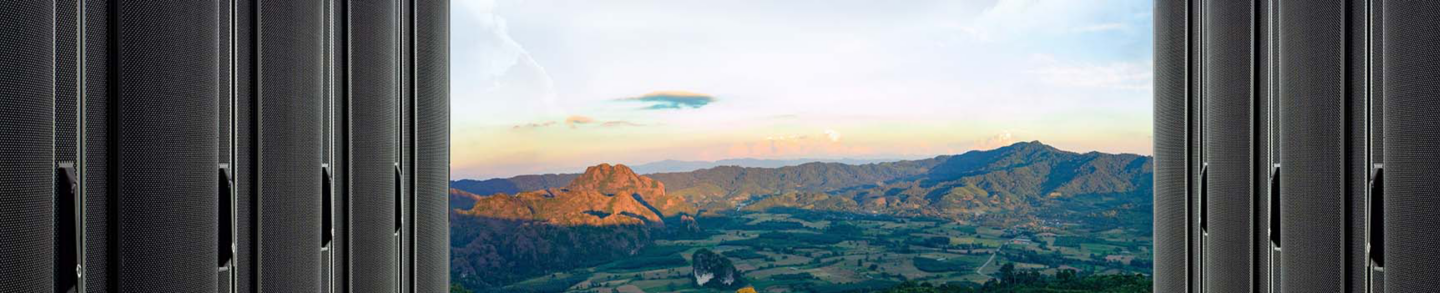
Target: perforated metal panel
(26, 152)
(1170, 140)
(97, 145)
(373, 119)
(1411, 145)
(1356, 167)
(1317, 203)
(432, 103)
(223, 59)
(1229, 90)
(67, 99)
(288, 103)
(167, 146)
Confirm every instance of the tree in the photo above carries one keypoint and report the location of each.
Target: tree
(1007, 273)
(456, 288)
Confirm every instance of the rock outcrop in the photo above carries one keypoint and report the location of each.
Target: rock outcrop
(714, 271)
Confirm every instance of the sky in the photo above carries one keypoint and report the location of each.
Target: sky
(552, 86)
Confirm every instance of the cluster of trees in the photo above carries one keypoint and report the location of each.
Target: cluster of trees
(491, 253)
(1011, 280)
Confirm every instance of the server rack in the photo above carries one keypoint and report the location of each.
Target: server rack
(1171, 146)
(432, 146)
(374, 173)
(1411, 135)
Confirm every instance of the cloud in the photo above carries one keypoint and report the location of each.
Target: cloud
(1100, 27)
(833, 135)
(577, 120)
(824, 144)
(533, 125)
(669, 100)
(620, 123)
(993, 142)
(1114, 75)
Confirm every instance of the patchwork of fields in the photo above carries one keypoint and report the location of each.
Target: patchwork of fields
(806, 251)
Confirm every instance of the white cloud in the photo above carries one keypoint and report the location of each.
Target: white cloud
(489, 65)
(833, 135)
(993, 142)
(1114, 26)
(1111, 75)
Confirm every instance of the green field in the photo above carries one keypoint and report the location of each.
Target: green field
(800, 251)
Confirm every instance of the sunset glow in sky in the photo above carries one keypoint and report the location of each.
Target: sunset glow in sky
(552, 86)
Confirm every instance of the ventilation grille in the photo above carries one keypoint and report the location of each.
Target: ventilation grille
(290, 78)
(373, 98)
(167, 146)
(26, 160)
(1412, 145)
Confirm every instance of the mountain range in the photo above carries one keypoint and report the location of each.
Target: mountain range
(670, 166)
(1017, 183)
(505, 230)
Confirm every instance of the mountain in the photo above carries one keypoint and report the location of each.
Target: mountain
(513, 185)
(671, 166)
(604, 195)
(1019, 183)
(507, 230)
(1023, 183)
(460, 199)
(604, 214)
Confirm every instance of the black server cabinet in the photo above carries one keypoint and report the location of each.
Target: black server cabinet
(1171, 164)
(373, 170)
(284, 117)
(1229, 136)
(1321, 142)
(166, 148)
(1411, 146)
(432, 146)
(30, 184)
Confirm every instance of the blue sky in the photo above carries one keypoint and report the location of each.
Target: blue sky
(553, 86)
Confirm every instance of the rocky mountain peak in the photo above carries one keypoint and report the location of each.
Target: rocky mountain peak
(616, 180)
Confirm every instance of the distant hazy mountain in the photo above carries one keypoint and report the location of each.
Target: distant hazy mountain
(1015, 182)
(523, 183)
(513, 185)
(668, 166)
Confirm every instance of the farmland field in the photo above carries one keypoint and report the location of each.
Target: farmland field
(804, 251)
